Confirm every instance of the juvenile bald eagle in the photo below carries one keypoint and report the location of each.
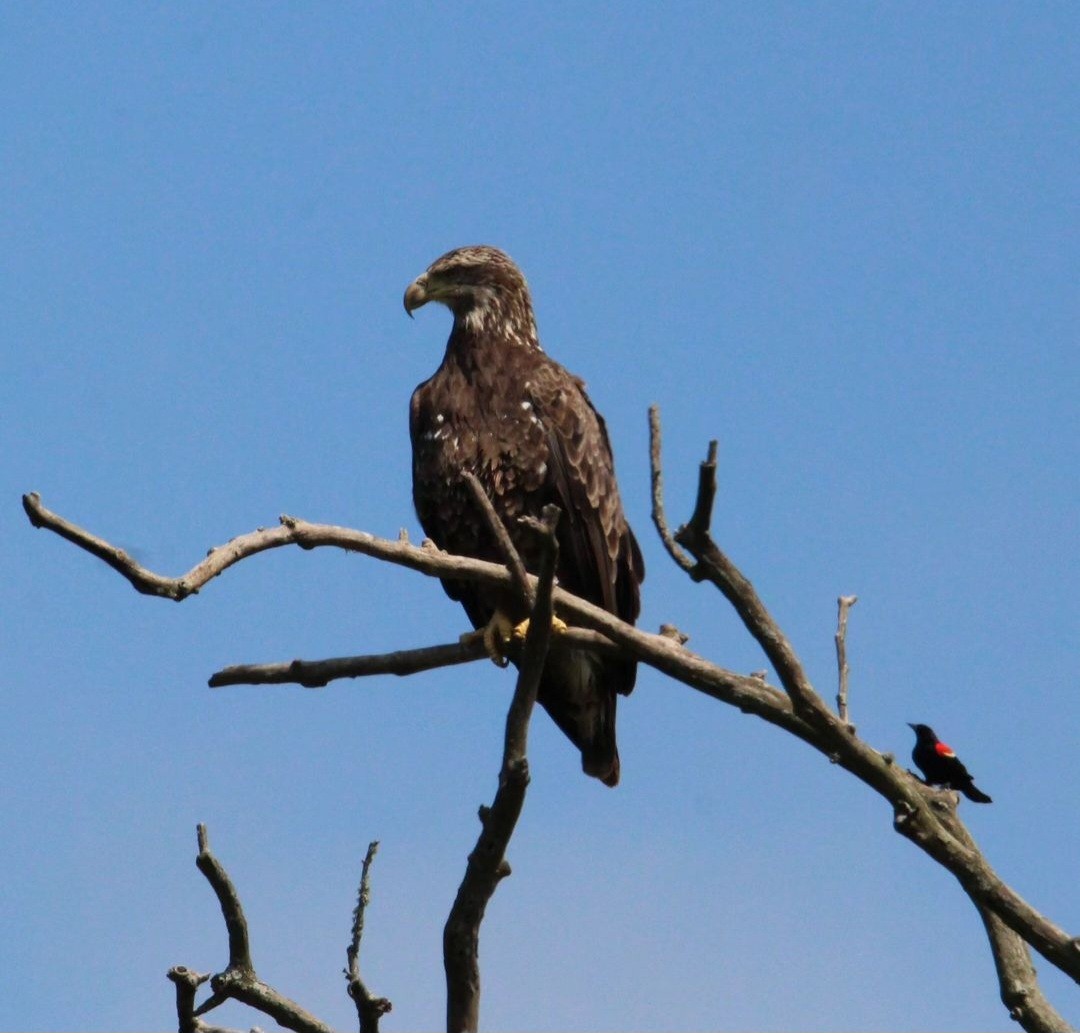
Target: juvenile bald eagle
(499, 407)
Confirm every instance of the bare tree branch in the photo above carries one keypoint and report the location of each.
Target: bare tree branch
(666, 654)
(845, 603)
(487, 865)
(314, 674)
(369, 1008)
(232, 912)
(291, 531)
(187, 983)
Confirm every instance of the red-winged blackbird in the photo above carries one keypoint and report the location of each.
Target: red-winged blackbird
(940, 766)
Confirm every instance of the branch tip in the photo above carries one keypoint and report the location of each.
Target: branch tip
(659, 517)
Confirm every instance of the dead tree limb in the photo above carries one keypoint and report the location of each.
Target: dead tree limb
(810, 719)
(798, 709)
(238, 981)
(315, 674)
(916, 815)
(487, 865)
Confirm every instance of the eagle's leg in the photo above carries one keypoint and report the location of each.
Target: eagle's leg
(558, 626)
(495, 635)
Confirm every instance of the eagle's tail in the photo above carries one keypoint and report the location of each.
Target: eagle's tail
(579, 690)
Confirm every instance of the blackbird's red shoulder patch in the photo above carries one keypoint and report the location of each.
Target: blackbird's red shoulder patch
(942, 750)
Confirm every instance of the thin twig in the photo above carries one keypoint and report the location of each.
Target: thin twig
(487, 865)
(369, 1009)
(502, 538)
(844, 603)
(659, 517)
(315, 674)
(363, 898)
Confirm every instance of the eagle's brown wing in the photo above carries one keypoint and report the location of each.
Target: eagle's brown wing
(599, 556)
(599, 560)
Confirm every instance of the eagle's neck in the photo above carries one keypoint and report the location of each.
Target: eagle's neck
(490, 327)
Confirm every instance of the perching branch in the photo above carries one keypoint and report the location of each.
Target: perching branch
(916, 815)
(487, 865)
(810, 719)
(666, 654)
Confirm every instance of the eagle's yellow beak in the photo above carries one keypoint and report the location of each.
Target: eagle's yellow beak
(416, 294)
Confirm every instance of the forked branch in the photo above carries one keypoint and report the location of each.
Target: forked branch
(238, 981)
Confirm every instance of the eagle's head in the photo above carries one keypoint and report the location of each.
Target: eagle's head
(484, 289)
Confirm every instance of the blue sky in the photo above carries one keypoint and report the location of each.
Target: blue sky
(839, 238)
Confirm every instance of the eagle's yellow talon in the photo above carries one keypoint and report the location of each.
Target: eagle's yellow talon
(495, 635)
(558, 626)
(498, 633)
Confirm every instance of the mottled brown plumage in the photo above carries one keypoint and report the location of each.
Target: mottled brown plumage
(499, 407)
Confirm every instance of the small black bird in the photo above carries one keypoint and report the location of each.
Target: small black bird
(940, 766)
